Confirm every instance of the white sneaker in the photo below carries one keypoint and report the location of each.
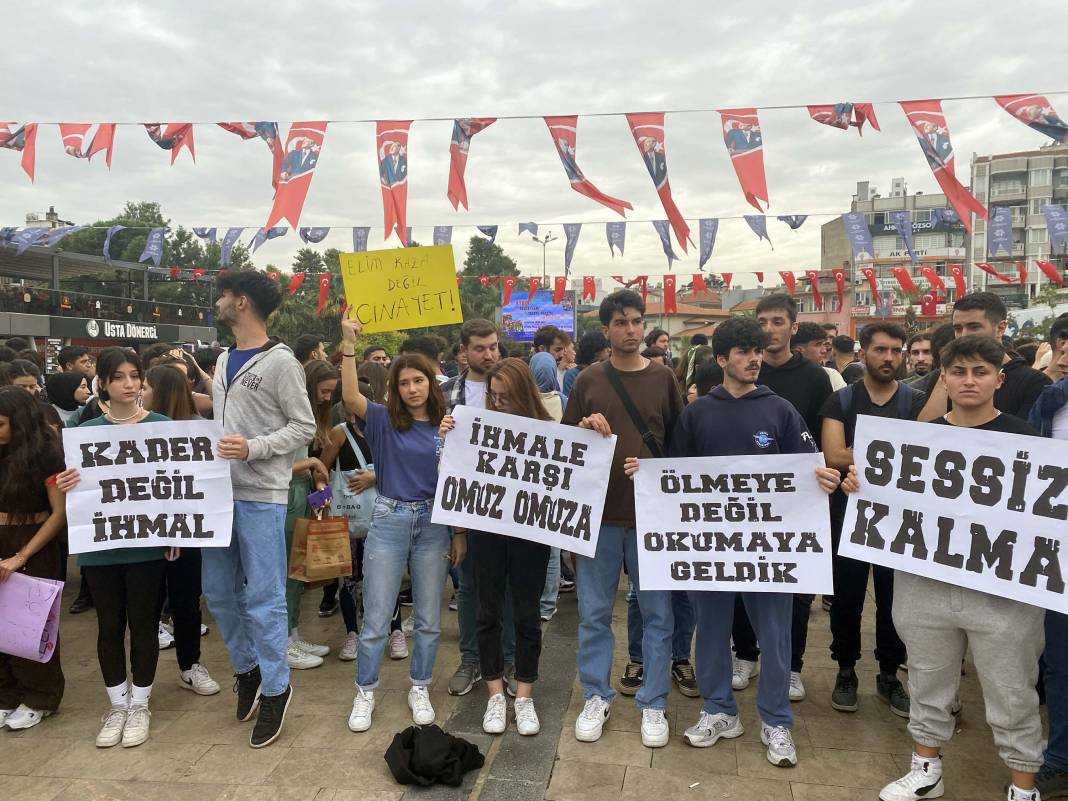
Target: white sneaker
(4, 715)
(710, 727)
(419, 703)
(495, 721)
(797, 687)
(111, 732)
(398, 647)
(655, 732)
(198, 680)
(362, 708)
(203, 629)
(135, 731)
(591, 720)
(780, 743)
(301, 660)
(310, 648)
(25, 718)
(526, 719)
(408, 626)
(743, 672)
(349, 648)
(166, 639)
(924, 780)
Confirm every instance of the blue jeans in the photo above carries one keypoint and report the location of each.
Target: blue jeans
(244, 585)
(681, 639)
(467, 619)
(1055, 677)
(401, 535)
(598, 580)
(552, 584)
(771, 614)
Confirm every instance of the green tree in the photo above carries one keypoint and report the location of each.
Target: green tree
(483, 258)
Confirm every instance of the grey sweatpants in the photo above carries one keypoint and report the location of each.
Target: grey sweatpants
(938, 622)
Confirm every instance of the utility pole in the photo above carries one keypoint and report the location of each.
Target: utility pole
(544, 241)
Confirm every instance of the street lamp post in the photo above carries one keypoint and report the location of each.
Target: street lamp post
(544, 241)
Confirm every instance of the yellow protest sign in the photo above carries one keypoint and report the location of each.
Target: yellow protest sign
(391, 290)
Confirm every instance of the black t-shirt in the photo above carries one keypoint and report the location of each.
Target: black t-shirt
(1020, 389)
(862, 404)
(853, 372)
(805, 384)
(347, 458)
(1005, 423)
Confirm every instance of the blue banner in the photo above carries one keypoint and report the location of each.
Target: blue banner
(28, 237)
(795, 221)
(359, 239)
(999, 231)
(59, 233)
(758, 223)
(442, 234)
(488, 230)
(531, 227)
(617, 237)
(856, 228)
(228, 243)
(153, 246)
(571, 231)
(708, 228)
(313, 235)
(902, 221)
(206, 233)
(1057, 225)
(266, 234)
(662, 228)
(107, 240)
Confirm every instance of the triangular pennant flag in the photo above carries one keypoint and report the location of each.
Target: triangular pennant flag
(174, 137)
(1021, 272)
(232, 235)
(745, 146)
(443, 234)
(564, 131)
(571, 232)
(999, 232)
(790, 281)
(1036, 113)
(648, 133)
(957, 272)
(313, 235)
(813, 277)
(902, 222)
(932, 132)
(73, 135)
(727, 278)
(28, 237)
(559, 288)
(617, 237)
(1057, 225)
(391, 141)
(670, 306)
(706, 233)
(859, 235)
(759, 277)
(758, 223)
(324, 293)
(795, 221)
(661, 227)
(535, 285)
(294, 283)
(359, 238)
(153, 246)
(838, 274)
(488, 230)
(268, 132)
(869, 273)
(206, 233)
(507, 285)
(643, 285)
(841, 115)
(21, 138)
(934, 280)
(989, 269)
(589, 288)
(57, 234)
(266, 234)
(304, 143)
(699, 285)
(459, 146)
(1050, 272)
(530, 227)
(905, 280)
(107, 240)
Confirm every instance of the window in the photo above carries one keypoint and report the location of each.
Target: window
(921, 215)
(1037, 203)
(1041, 177)
(1010, 186)
(1037, 236)
(980, 170)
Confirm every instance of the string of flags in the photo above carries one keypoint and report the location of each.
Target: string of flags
(293, 162)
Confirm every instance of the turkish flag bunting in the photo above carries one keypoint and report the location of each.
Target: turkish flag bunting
(957, 272)
(989, 269)
(506, 289)
(648, 132)
(699, 284)
(535, 284)
(324, 292)
(869, 273)
(789, 280)
(484, 280)
(929, 305)
(1050, 272)
(1021, 271)
(759, 277)
(303, 146)
(643, 284)
(933, 278)
(903, 278)
(745, 146)
(839, 284)
(814, 281)
(564, 132)
(559, 288)
(294, 283)
(199, 273)
(459, 146)
(727, 278)
(670, 307)
(391, 140)
(459, 279)
(175, 272)
(73, 136)
(24, 139)
(589, 288)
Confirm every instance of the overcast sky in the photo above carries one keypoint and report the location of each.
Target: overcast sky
(240, 60)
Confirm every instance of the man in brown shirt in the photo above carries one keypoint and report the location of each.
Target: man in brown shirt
(596, 404)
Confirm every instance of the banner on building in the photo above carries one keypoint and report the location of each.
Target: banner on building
(147, 485)
(978, 509)
(525, 478)
(733, 523)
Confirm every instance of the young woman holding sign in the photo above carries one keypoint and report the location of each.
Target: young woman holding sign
(402, 435)
(125, 582)
(500, 561)
(32, 515)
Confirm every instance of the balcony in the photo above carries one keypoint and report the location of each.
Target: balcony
(1007, 192)
(1002, 166)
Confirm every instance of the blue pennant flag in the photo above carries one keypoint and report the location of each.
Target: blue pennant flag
(228, 243)
(107, 240)
(313, 235)
(28, 237)
(153, 246)
(359, 239)
(858, 234)
(902, 221)
(999, 232)
(206, 233)
(6, 234)
(662, 228)
(1057, 225)
(571, 231)
(758, 223)
(59, 233)
(708, 228)
(532, 227)
(408, 237)
(266, 234)
(940, 218)
(442, 234)
(795, 221)
(488, 230)
(617, 236)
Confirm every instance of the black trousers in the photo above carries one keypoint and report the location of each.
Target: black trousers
(182, 577)
(127, 595)
(745, 639)
(499, 562)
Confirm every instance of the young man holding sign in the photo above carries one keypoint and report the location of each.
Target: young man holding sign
(734, 419)
(939, 621)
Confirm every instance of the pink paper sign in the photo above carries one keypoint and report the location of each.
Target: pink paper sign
(29, 616)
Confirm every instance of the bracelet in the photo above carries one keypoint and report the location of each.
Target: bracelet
(348, 355)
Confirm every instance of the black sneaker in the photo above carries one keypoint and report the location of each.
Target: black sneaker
(844, 695)
(82, 603)
(1051, 783)
(328, 608)
(683, 676)
(889, 688)
(247, 687)
(567, 585)
(406, 597)
(272, 715)
(632, 679)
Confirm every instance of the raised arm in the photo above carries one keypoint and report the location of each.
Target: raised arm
(351, 396)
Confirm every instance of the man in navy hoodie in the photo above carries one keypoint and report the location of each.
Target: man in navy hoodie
(740, 418)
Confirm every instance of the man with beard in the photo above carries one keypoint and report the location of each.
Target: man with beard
(878, 393)
(921, 357)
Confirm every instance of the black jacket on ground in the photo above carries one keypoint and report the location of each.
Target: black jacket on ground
(427, 755)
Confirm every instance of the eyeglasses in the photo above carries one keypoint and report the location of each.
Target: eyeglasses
(499, 399)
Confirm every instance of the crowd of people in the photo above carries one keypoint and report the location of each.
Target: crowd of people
(362, 420)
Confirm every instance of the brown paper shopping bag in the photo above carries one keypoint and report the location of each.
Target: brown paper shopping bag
(328, 554)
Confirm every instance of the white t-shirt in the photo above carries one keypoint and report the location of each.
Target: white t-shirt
(475, 393)
(1060, 423)
(837, 382)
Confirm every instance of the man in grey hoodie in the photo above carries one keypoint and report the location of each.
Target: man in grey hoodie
(259, 396)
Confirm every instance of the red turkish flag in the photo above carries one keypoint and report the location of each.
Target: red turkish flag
(648, 132)
(745, 146)
(934, 280)
(175, 272)
(324, 292)
(1050, 272)
(459, 146)
(699, 284)
(643, 284)
(535, 284)
(903, 278)
(484, 280)
(506, 290)
(957, 272)
(1021, 271)
(199, 273)
(838, 273)
(813, 277)
(589, 288)
(727, 278)
(273, 276)
(929, 305)
(869, 273)
(559, 288)
(73, 135)
(173, 138)
(303, 147)
(23, 138)
(759, 277)
(989, 269)
(789, 280)
(670, 307)
(294, 283)
(564, 133)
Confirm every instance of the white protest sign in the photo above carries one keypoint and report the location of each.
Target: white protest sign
(979, 509)
(733, 523)
(525, 478)
(149, 484)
